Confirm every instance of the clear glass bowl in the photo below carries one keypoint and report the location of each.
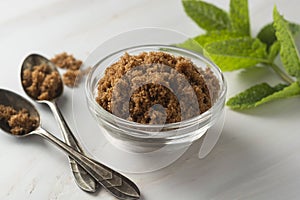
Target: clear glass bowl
(136, 137)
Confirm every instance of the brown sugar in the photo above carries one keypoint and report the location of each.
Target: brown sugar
(6, 112)
(41, 82)
(212, 83)
(154, 88)
(20, 122)
(66, 61)
(73, 75)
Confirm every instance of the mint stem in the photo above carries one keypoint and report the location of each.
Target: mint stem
(281, 73)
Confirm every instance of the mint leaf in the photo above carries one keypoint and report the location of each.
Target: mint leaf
(236, 53)
(267, 35)
(262, 93)
(274, 50)
(294, 28)
(197, 43)
(288, 52)
(289, 91)
(191, 44)
(207, 16)
(239, 15)
(251, 96)
(215, 36)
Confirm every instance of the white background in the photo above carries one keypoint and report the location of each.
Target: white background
(257, 156)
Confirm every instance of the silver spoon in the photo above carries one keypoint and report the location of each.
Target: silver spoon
(83, 179)
(117, 184)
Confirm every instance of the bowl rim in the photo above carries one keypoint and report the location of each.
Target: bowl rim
(203, 116)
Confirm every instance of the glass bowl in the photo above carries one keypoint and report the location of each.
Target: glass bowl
(135, 137)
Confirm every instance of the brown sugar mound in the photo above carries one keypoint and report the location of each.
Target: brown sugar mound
(20, 122)
(66, 61)
(73, 75)
(41, 82)
(154, 88)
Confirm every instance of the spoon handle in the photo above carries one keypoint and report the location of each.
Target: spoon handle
(114, 182)
(82, 178)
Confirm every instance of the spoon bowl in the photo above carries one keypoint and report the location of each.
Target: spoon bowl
(9, 98)
(115, 183)
(35, 60)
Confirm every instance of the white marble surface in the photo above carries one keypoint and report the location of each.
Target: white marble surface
(257, 156)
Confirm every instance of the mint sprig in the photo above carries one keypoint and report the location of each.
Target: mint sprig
(229, 44)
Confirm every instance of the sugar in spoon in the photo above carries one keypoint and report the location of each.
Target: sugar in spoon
(83, 179)
(117, 184)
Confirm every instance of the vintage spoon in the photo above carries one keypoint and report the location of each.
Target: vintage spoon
(83, 179)
(117, 184)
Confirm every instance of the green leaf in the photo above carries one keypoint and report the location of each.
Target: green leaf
(289, 91)
(262, 93)
(236, 53)
(288, 52)
(191, 44)
(267, 35)
(207, 16)
(294, 28)
(274, 50)
(197, 43)
(215, 36)
(239, 15)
